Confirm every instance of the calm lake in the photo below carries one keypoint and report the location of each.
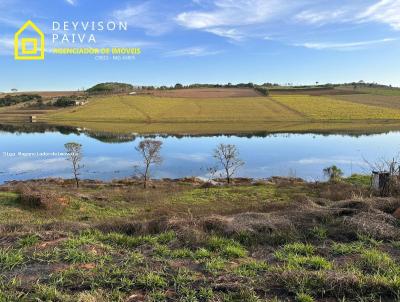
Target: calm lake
(35, 155)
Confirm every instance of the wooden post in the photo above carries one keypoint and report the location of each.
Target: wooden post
(381, 182)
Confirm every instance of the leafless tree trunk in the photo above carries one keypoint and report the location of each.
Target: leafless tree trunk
(74, 155)
(228, 157)
(150, 151)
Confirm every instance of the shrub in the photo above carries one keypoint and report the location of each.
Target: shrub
(262, 90)
(65, 101)
(10, 100)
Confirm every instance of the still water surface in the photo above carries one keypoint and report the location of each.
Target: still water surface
(108, 157)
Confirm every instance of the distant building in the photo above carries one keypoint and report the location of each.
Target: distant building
(80, 102)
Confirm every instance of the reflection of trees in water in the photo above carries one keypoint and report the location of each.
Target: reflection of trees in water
(110, 138)
(115, 138)
(37, 128)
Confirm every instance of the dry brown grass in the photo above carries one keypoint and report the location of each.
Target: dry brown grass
(36, 198)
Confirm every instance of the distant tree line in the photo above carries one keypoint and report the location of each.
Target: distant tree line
(262, 90)
(10, 100)
(113, 87)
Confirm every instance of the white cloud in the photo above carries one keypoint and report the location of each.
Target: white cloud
(321, 17)
(7, 43)
(319, 161)
(191, 52)
(52, 164)
(194, 157)
(72, 2)
(385, 11)
(227, 17)
(231, 33)
(344, 46)
(144, 16)
(232, 13)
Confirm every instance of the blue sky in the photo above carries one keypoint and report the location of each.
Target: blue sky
(212, 41)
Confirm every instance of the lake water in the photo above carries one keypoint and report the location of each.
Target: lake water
(107, 156)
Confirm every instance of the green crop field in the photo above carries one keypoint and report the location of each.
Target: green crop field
(280, 113)
(155, 109)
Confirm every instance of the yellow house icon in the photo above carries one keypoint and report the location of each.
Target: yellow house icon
(29, 48)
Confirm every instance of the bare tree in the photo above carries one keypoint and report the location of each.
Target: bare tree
(384, 165)
(150, 151)
(228, 157)
(74, 155)
(385, 175)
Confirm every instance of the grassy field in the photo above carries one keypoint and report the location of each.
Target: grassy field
(279, 113)
(277, 240)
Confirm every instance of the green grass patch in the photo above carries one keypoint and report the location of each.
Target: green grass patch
(359, 179)
(28, 240)
(226, 247)
(151, 280)
(299, 248)
(355, 247)
(10, 258)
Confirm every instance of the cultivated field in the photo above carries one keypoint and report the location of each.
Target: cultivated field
(326, 108)
(372, 90)
(386, 101)
(207, 93)
(278, 113)
(180, 110)
(311, 91)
